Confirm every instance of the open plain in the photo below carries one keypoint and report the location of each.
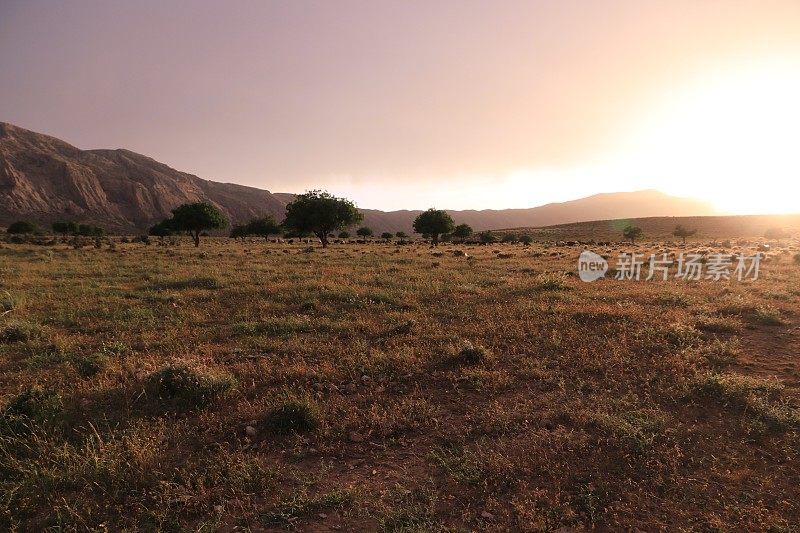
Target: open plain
(264, 386)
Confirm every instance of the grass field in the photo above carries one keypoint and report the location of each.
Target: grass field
(370, 387)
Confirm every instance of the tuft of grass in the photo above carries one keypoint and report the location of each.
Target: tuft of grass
(200, 282)
(295, 415)
(302, 505)
(767, 316)
(19, 332)
(716, 324)
(471, 355)
(757, 398)
(32, 407)
(552, 283)
(190, 388)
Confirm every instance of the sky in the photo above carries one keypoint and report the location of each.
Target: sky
(413, 104)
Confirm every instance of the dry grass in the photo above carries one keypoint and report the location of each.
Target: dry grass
(361, 387)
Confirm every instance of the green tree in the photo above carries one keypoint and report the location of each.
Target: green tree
(195, 218)
(239, 231)
(387, 235)
(162, 229)
(65, 228)
(632, 232)
(21, 226)
(320, 213)
(364, 231)
(510, 237)
(487, 237)
(462, 231)
(683, 232)
(263, 227)
(344, 235)
(434, 222)
(401, 235)
(526, 240)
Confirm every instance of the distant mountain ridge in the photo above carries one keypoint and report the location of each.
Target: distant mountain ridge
(46, 179)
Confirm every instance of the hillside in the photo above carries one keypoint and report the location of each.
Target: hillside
(661, 228)
(45, 179)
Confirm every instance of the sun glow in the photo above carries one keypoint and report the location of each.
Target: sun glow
(732, 138)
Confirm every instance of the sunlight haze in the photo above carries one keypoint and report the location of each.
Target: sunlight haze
(407, 105)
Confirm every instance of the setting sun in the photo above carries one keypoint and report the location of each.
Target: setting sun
(731, 137)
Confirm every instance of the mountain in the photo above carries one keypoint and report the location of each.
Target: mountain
(45, 179)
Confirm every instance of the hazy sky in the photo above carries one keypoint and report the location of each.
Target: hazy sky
(409, 104)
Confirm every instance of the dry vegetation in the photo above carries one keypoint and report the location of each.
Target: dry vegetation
(372, 387)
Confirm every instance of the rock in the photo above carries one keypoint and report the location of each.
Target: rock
(355, 436)
(250, 431)
(487, 515)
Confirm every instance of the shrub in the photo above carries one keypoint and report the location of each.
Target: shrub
(298, 415)
(797, 258)
(188, 387)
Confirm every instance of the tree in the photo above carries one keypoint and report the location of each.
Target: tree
(344, 235)
(87, 230)
(364, 231)
(239, 231)
(434, 222)
(162, 229)
(65, 228)
(632, 232)
(20, 227)
(194, 219)
(462, 231)
(263, 227)
(321, 213)
(526, 240)
(510, 237)
(387, 235)
(401, 235)
(487, 237)
(683, 232)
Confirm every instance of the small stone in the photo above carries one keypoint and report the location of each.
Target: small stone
(217, 509)
(322, 516)
(487, 515)
(355, 436)
(250, 431)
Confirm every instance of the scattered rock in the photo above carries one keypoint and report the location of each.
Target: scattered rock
(250, 431)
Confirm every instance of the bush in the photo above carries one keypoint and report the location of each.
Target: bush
(188, 387)
(298, 415)
(797, 259)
